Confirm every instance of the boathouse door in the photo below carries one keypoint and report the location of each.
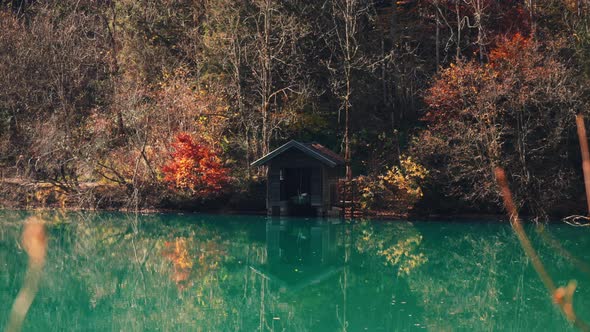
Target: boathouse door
(301, 189)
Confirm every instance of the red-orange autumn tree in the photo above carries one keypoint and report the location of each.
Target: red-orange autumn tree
(195, 168)
(517, 111)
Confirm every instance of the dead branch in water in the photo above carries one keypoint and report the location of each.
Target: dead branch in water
(562, 296)
(577, 221)
(34, 241)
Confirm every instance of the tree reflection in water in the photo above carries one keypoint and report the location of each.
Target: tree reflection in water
(111, 271)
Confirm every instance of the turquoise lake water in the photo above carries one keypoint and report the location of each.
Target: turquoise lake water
(174, 272)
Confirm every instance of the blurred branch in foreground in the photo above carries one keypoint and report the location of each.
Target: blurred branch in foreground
(583, 138)
(555, 245)
(562, 296)
(34, 241)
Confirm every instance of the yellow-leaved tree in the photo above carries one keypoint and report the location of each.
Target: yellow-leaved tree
(398, 189)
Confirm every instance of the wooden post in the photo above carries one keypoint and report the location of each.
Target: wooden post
(585, 155)
(352, 188)
(341, 194)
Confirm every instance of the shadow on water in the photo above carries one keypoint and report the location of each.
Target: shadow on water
(113, 271)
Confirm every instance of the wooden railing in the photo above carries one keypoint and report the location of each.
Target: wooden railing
(348, 199)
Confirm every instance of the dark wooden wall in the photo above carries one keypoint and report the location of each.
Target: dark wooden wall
(321, 178)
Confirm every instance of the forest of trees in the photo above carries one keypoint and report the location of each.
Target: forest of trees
(117, 103)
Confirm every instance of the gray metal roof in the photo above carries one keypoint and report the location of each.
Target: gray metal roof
(314, 150)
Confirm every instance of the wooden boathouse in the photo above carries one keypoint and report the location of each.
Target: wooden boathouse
(302, 179)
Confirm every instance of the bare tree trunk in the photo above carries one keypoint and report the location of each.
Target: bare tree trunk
(478, 21)
(531, 5)
(266, 77)
(348, 26)
(347, 128)
(391, 94)
(114, 52)
(437, 37)
(349, 47)
(273, 51)
(265, 136)
(459, 24)
(479, 7)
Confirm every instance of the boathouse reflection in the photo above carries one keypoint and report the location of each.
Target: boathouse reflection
(300, 253)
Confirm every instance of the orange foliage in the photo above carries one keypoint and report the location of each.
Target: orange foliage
(477, 112)
(177, 253)
(468, 89)
(454, 91)
(193, 259)
(510, 50)
(195, 167)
